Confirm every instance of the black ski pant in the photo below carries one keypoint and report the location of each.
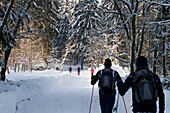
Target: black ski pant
(107, 102)
(91, 74)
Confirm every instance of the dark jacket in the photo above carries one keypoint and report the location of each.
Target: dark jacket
(143, 108)
(116, 79)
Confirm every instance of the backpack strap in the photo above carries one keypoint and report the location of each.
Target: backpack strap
(113, 73)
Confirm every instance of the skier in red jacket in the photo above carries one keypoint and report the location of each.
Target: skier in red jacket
(92, 71)
(78, 70)
(70, 69)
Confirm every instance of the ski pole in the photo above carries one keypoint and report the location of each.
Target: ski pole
(91, 98)
(116, 107)
(124, 104)
(117, 103)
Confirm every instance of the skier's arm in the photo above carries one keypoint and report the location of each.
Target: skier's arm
(119, 82)
(123, 87)
(160, 95)
(95, 78)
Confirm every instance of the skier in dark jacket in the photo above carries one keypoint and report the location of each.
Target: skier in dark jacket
(78, 69)
(141, 64)
(107, 97)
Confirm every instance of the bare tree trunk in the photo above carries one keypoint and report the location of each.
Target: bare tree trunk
(30, 58)
(7, 69)
(82, 62)
(18, 67)
(132, 56)
(116, 39)
(164, 58)
(142, 34)
(131, 33)
(7, 49)
(141, 43)
(42, 47)
(15, 67)
(154, 60)
(13, 61)
(62, 63)
(132, 52)
(23, 67)
(106, 38)
(149, 56)
(97, 52)
(164, 43)
(74, 60)
(5, 60)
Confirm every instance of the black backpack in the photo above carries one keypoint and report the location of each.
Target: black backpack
(106, 80)
(145, 91)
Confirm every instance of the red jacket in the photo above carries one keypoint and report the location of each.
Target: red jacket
(92, 70)
(70, 67)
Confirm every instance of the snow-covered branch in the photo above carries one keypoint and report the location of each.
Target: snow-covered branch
(6, 14)
(161, 22)
(102, 11)
(68, 50)
(128, 5)
(23, 36)
(158, 3)
(111, 29)
(20, 17)
(123, 60)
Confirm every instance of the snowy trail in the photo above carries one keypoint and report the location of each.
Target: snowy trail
(55, 92)
(70, 96)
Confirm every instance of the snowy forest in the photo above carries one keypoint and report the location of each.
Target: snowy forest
(37, 33)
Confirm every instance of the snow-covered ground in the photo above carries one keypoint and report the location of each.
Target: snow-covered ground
(51, 91)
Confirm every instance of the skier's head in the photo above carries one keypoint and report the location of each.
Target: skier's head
(141, 62)
(107, 63)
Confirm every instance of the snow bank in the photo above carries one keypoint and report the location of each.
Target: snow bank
(21, 86)
(8, 102)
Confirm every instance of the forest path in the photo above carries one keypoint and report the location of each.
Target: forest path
(72, 95)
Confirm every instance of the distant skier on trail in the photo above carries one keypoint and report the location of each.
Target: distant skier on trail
(107, 78)
(92, 71)
(78, 69)
(70, 69)
(146, 87)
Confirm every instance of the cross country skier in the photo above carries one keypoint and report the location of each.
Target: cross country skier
(70, 69)
(78, 69)
(146, 87)
(92, 71)
(107, 78)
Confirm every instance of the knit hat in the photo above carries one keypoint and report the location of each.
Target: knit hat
(141, 62)
(107, 62)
